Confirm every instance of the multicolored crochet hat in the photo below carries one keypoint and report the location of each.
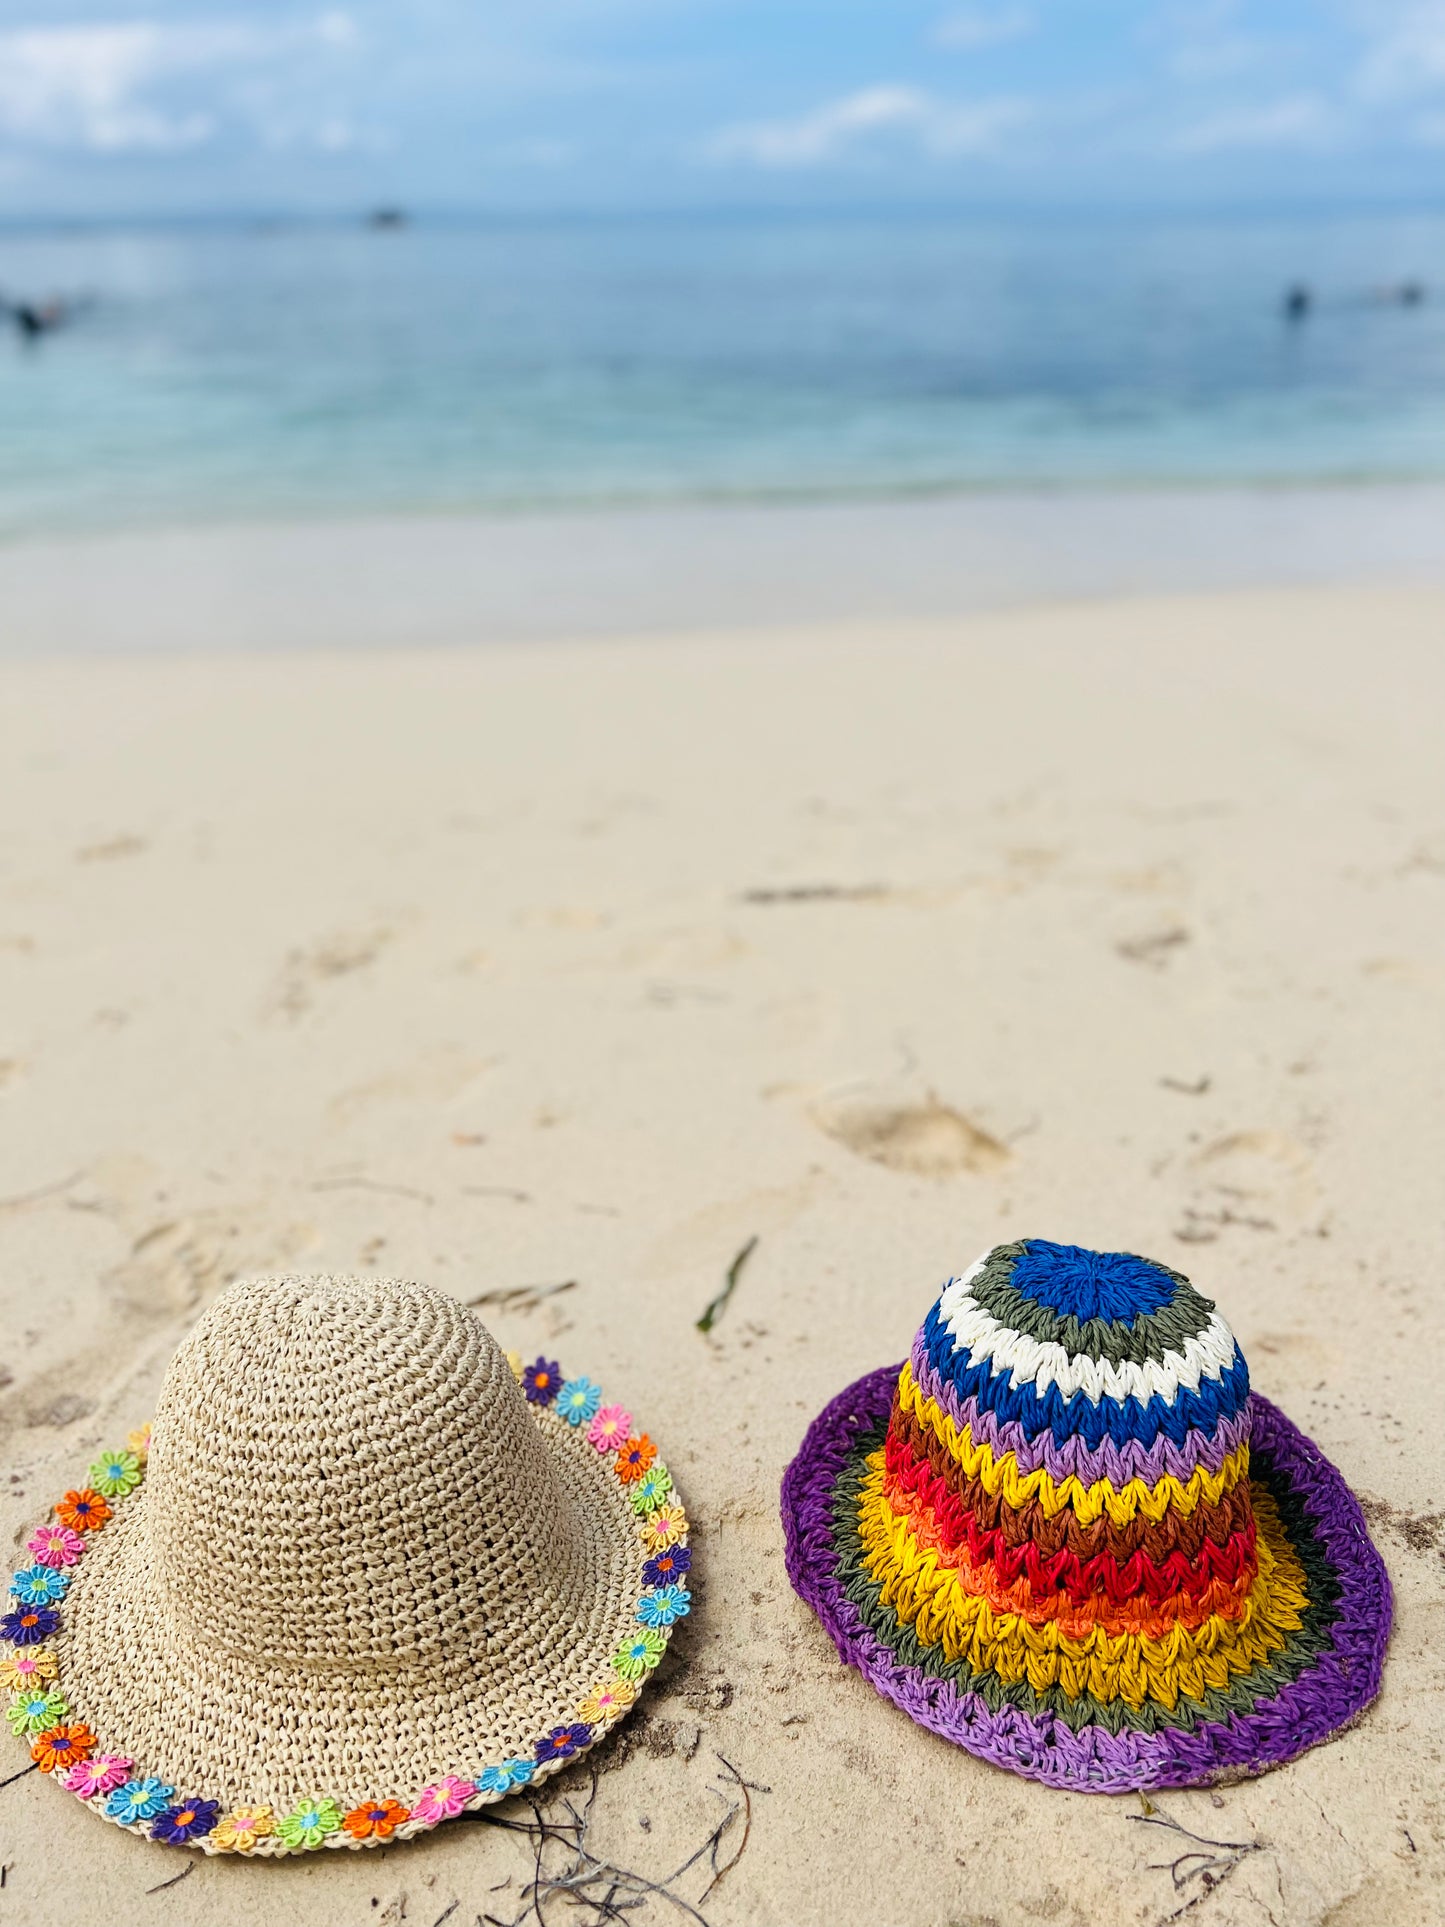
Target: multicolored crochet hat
(365, 1574)
(1067, 1536)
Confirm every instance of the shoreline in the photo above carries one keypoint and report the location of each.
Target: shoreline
(467, 578)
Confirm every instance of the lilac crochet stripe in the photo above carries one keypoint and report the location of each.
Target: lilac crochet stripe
(1117, 1463)
(1331, 1692)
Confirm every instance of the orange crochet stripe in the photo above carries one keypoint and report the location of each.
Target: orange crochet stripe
(1153, 1619)
(907, 1479)
(1131, 1666)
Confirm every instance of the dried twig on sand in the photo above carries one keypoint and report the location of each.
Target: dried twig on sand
(817, 893)
(718, 1305)
(361, 1183)
(565, 1867)
(1209, 1862)
(521, 1297)
(174, 1881)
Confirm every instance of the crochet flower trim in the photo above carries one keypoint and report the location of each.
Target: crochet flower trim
(115, 1786)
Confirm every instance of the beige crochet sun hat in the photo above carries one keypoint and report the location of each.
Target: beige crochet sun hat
(366, 1574)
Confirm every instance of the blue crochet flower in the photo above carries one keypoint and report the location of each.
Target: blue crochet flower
(139, 1800)
(578, 1400)
(662, 1607)
(503, 1778)
(187, 1820)
(562, 1742)
(39, 1586)
(667, 1566)
(541, 1380)
(28, 1628)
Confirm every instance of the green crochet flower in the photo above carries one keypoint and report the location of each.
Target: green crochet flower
(648, 1492)
(308, 1824)
(33, 1711)
(639, 1654)
(115, 1473)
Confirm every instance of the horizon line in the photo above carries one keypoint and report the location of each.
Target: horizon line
(420, 211)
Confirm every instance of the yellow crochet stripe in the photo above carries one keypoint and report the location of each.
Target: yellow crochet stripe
(1002, 1475)
(1127, 1666)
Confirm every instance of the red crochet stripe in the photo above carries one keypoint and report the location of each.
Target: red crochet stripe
(909, 1476)
(1140, 1615)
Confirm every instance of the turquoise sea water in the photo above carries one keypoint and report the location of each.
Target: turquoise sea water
(256, 369)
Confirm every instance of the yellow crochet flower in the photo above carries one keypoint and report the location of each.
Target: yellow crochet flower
(514, 1359)
(608, 1700)
(26, 1666)
(139, 1442)
(664, 1528)
(239, 1831)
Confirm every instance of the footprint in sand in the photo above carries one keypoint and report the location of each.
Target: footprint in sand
(307, 971)
(174, 1266)
(436, 1077)
(927, 1139)
(1258, 1164)
(1254, 1180)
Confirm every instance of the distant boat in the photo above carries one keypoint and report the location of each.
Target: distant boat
(387, 217)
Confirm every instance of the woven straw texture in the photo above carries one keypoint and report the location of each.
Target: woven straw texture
(1066, 1535)
(360, 1560)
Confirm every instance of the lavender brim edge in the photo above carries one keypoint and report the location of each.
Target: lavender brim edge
(1332, 1692)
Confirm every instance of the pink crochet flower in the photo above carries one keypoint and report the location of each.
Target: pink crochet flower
(55, 1546)
(444, 1801)
(611, 1428)
(102, 1773)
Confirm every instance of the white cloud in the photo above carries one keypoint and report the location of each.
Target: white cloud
(94, 86)
(1406, 50)
(977, 27)
(1297, 121)
(337, 29)
(866, 118)
(1218, 57)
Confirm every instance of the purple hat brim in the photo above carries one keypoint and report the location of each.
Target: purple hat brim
(1331, 1693)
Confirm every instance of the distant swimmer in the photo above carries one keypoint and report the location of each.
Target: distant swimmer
(36, 318)
(1297, 302)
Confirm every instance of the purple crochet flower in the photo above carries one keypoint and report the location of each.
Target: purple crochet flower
(542, 1381)
(187, 1820)
(30, 1625)
(667, 1567)
(562, 1742)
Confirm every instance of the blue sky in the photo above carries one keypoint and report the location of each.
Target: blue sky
(194, 105)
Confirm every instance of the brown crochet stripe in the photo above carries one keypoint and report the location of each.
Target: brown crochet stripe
(1030, 1524)
(913, 1490)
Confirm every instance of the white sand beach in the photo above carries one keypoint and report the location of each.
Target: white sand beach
(877, 928)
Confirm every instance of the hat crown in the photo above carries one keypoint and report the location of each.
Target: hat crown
(1070, 1441)
(345, 1470)
(1102, 1347)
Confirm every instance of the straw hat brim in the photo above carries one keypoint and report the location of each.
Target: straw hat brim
(1323, 1680)
(140, 1694)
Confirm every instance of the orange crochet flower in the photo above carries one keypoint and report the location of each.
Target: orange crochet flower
(83, 1511)
(375, 1819)
(60, 1746)
(634, 1458)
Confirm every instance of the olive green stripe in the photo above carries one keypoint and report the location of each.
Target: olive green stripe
(1149, 1336)
(1115, 1716)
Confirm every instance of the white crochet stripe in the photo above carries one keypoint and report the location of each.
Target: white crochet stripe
(1209, 1355)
